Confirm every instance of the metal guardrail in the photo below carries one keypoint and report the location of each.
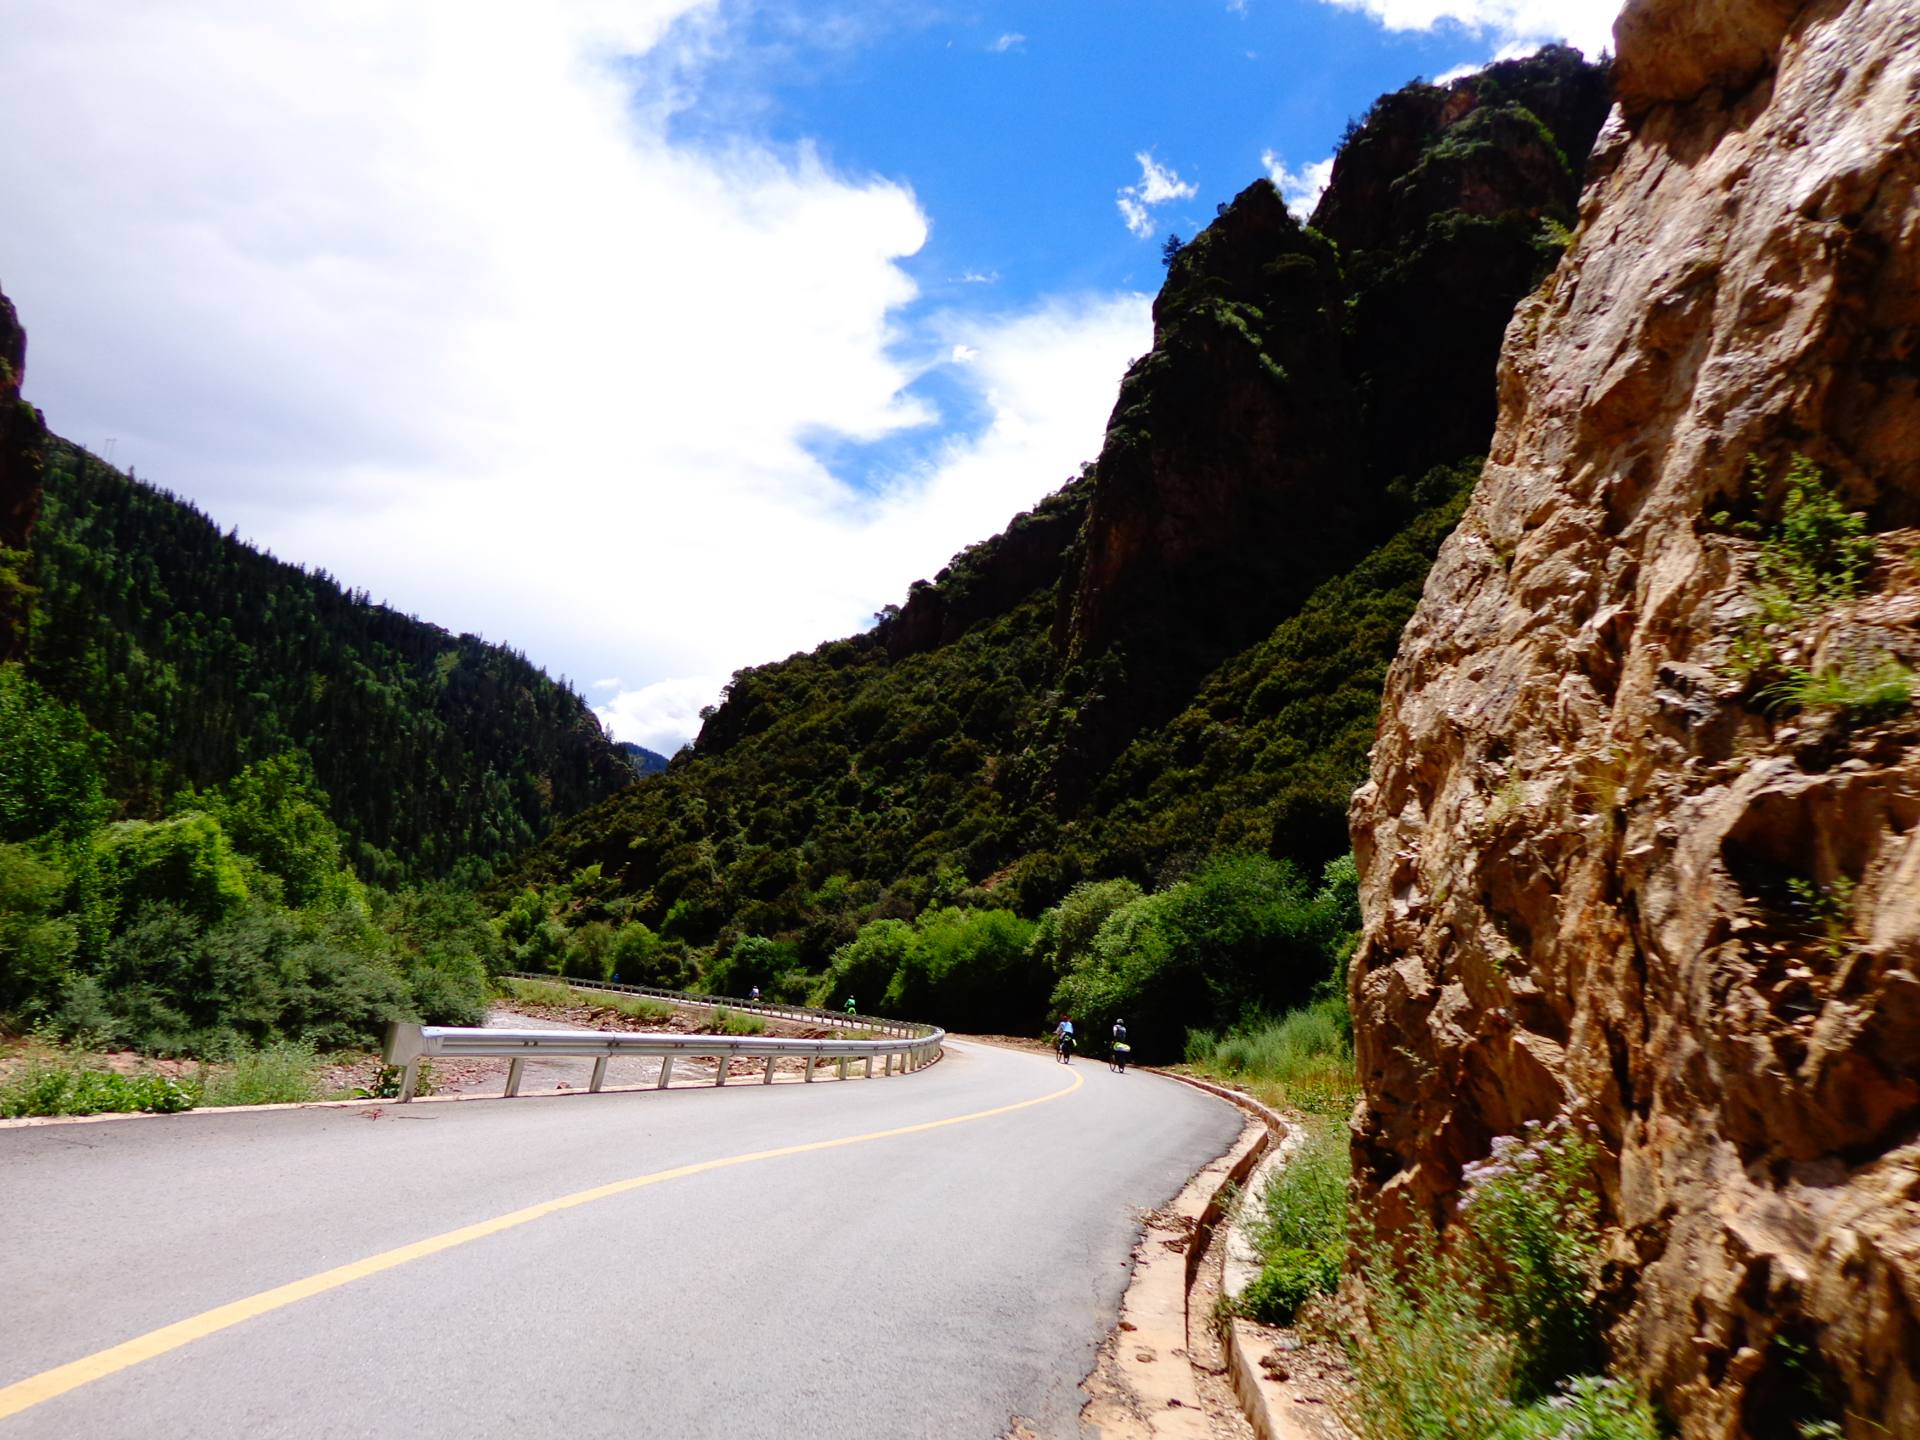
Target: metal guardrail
(850, 1019)
(407, 1045)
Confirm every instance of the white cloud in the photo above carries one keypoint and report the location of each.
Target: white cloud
(961, 354)
(1012, 40)
(611, 683)
(1301, 191)
(661, 716)
(428, 295)
(1158, 184)
(980, 277)
(1585, 23)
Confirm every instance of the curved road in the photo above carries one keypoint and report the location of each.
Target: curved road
(933, 1281)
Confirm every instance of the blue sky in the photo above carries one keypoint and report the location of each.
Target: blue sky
(1017, 126)
(653, 337)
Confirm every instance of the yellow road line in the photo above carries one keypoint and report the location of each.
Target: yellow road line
(49, 1384)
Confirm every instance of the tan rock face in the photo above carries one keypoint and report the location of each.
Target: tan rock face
(1587, 849)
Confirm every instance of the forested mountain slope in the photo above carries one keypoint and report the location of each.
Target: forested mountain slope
(197, 655)
(1177, 656)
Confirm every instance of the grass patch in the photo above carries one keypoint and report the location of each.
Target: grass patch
(66, 1086)
(1302, 1061)
(541, 992)
(284, 1073)
(636, 1007)
(559, 995)
(1875, 692)
(1815, 557)
(1302, 1231)
(730, 1022)
(1491, 1333)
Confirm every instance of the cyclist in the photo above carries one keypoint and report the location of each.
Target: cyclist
(1063, 1039)
(850, 1009)
(1118, 1057)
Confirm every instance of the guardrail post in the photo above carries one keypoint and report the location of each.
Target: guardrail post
(767, 1079)
(410, 1081)
(666, 1072)
(869, 1067)
(810, 1062)
(513, 1076)
(720, 1063)
(599, 1074)
(843, 1067)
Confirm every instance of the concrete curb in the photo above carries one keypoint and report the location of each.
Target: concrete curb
(1146, 1358)
(1266, 1402)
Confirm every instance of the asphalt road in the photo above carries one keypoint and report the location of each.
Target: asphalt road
(930, 1283)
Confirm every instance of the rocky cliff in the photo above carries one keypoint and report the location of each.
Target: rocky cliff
(1301, 373)
(22, 445)
(1642, 838)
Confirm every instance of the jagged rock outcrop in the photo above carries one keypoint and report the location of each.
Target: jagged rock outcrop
(22, 446)
(988, 579)
(1605, 870)
(1299, 372)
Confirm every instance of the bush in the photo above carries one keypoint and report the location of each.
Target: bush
(37, 943)
(589, 952)
(1588, 1408)
(1302, 1231)
(1288, 1280)
(172, 986)
(1066, 932)
(1533, 1234)
(1244, 936)
(1488, 1335)
(730, 1022)
(50, 762)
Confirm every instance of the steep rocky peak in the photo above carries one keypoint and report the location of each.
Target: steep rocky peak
(1508, 138)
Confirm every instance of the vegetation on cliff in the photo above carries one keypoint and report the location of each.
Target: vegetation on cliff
(1166, 673)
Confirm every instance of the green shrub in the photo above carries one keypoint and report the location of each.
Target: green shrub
(37, 942)
(1430, 1365)
(1289, 1279)
(1590, 1407)
(1860, 693)
(1495, 1328)
(1301, 1233)
(1818, 553)
(1532, 1228)
(50, 763)
(731, 1022)
(67, 1088)
(1246, 935)
(1814, 558)
(1066, 932)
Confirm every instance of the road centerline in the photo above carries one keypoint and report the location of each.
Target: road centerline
(36, 1390)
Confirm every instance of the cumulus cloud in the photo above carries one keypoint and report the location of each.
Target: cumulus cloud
(1012, 40)
(430, 295)
(1157, 185)
(1302, 190)
(1585, 23)
(663, 715)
